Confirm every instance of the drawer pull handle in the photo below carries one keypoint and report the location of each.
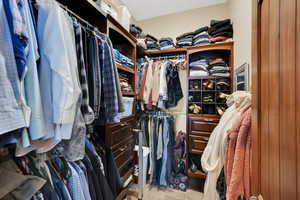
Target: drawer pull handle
(123, 149)
(123, 124)
(208, 120)
(200, 141)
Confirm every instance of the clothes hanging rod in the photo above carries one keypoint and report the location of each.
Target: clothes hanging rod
(75, 15)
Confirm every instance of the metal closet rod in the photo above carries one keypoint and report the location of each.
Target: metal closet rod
(77, 16)
(169, 57)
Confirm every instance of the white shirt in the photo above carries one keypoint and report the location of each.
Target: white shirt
(58, 70)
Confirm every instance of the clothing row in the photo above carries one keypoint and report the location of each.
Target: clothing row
(159, 137)
(54, 81)
(52, 177)
(215, 66)
(159, 83)
(229, 148)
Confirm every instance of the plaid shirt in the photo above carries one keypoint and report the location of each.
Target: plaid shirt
(86, 110)
(110, 91)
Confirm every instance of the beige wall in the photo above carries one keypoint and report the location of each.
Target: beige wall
(240, 12)
(175, 24)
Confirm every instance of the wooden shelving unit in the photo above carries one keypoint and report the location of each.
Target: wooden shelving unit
(200, 126)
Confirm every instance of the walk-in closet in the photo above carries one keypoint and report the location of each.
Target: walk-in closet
(149, 100)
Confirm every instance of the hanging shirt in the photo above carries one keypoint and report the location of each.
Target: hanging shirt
(74, 185)
(37, 128)
(58, 69)
(11, 116)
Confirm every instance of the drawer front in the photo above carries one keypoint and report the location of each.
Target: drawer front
(124, 156)
(123, 123)
(205, 126)
(201, 133)
(121, 134)
(197, 143)
(127, 166)
(118, 148)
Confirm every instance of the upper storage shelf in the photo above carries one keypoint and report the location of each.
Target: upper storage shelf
(194, 49)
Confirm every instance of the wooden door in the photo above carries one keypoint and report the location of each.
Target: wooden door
(276, 99)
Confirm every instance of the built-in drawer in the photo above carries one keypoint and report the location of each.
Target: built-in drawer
(123, 123)
(121, 134)
(117, 148)
(125, 154)
(202, 125)
(201, 133)
(127, 166)
(197, 143)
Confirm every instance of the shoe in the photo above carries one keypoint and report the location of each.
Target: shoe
(223, 95)
(197, 109)
(220, 110)
(211, 85)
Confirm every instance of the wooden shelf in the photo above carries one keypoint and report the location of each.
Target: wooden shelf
(197, 174)
(223, 46)
(124, 68)
(194, 49)
(203, 116)
(174, 50)
(128, 93)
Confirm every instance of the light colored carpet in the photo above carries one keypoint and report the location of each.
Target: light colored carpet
(154, 193)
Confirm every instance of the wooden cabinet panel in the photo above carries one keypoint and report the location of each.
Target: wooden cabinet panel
(117, 149)
(200, 133)
(276, 99)
(197, 144)
(200, 125)
(121, 134)
(124, 153)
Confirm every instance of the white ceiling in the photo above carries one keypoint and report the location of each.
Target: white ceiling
(146, 9)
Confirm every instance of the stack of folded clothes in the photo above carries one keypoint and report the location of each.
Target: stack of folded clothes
(201, 36)
(199, 68)
(125, 83)
(151, 43)
(135, 30)
(217, 67)
(185, 40)
(166, 43)
(121, 59)
(220, 30)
